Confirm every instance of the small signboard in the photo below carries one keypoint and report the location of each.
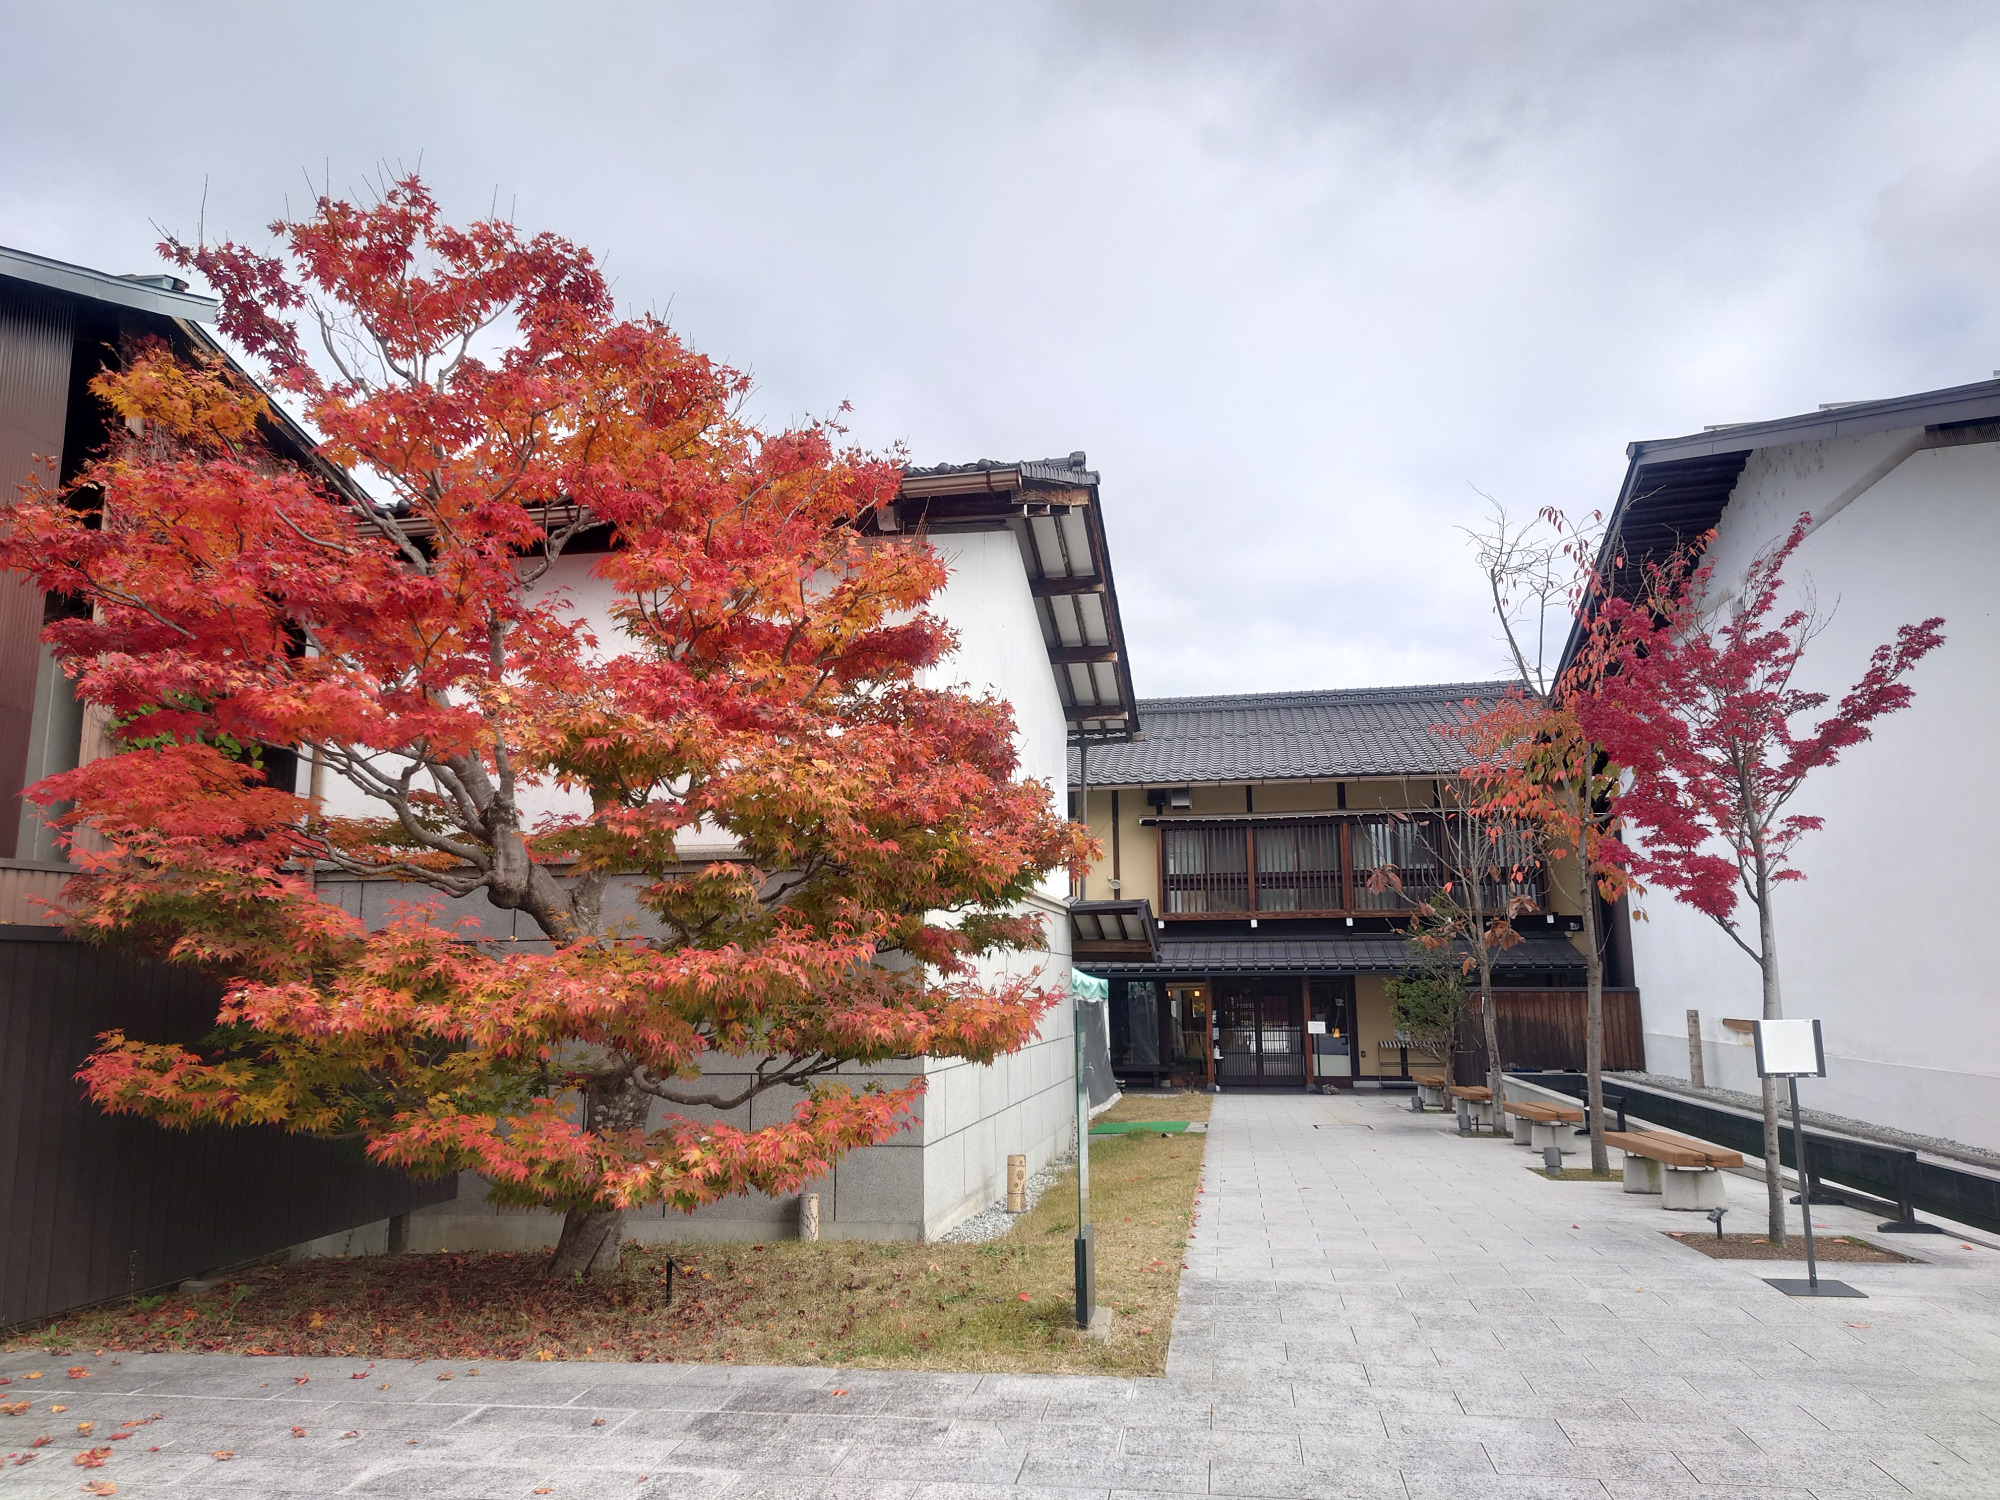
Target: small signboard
(1315, 1028)
(1789, 1049)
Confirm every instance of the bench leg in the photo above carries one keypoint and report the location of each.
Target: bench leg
(1642, 1174)
(1693, 1189)
(1523, 1129)
(1483, 1113)
(1433, 1098)
(1557, 1135)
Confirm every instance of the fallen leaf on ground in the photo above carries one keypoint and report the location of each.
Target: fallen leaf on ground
(350, 1433)
(99, 1487)
(359, 1375)
(300, 1379)
(34, 1374)
(445, 1376)
(13, 1408)
(223, 1453)
(83, 1428)
(543, 1490)
(298, 1432)
(58, 1408)
(91, 1458)
(78, 1372)
(1024, 1296)
(544, 1355)
(597, 1421)
(1857, 1325)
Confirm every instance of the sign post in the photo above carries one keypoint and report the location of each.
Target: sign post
(1792, 1050)
(1086, 1260)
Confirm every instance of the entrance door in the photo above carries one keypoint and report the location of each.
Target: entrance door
(1261, 1035)
(1330, 1030)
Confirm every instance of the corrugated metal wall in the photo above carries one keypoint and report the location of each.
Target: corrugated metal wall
(37, 333)
(94, 1207)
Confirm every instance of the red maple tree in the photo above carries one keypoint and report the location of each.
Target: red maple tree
(758, 676)
(1702, 710)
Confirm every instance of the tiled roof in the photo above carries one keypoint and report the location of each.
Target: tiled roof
(1367, 954)
(1071, 470)
(1274, 736)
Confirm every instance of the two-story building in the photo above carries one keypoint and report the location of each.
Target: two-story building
(1263, 857)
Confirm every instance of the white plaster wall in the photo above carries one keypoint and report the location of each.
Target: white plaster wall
(1000, 650)
(1885, 941)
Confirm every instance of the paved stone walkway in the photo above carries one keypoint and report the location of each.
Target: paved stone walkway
(1373, 1308)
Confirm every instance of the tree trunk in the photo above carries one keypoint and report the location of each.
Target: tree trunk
(590, 1243)
(1593, 1025)
(589, 1246)
(1774, 1010)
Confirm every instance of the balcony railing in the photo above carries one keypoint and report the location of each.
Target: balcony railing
(1369, 864)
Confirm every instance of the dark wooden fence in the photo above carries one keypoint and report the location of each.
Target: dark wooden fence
(1544, 1029)
(94, 1207)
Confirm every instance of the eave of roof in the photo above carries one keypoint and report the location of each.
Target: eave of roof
(1375, 954)
(150, 295)
(1675, 489)
(1978, 402)
(1052, 507)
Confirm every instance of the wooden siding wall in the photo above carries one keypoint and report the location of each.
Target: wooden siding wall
(1544, 1029)
(94, 1206)
(36, 334)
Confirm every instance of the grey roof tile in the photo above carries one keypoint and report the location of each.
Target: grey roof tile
(1390, 731)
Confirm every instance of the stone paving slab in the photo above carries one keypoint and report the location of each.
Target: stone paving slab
(1373, 1308)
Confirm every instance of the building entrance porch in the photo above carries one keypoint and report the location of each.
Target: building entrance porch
(1265, 1031)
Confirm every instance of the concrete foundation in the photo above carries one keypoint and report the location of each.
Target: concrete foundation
(1561, 1135)
(1693, 1189)
(1642, 1174)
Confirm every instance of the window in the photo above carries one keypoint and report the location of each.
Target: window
(1207, 869)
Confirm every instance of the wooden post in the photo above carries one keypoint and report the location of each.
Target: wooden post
(809, 1216)
(1695, 1069)
(1017, 1184)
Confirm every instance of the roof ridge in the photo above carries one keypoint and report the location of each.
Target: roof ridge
(1417, 692)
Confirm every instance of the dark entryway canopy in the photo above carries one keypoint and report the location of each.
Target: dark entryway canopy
(1372, 953)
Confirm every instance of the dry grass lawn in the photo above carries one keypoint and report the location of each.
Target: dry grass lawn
(1006, 1305)
(1185, 1104)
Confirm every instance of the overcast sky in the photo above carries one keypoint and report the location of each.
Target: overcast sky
(1299, 278)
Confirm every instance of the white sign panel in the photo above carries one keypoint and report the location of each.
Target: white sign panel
(1789, 1049)
(1315, 1028)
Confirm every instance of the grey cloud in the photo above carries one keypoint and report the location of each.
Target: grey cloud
(1296, 275)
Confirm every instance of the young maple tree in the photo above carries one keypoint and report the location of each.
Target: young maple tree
(1489, 859)
(757, 675)
(1703, 710)
(1532, 760)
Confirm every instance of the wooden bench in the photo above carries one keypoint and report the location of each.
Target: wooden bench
(1475, 1104)
(1686, 1173)
(1430, 1089)
(1541, 1125)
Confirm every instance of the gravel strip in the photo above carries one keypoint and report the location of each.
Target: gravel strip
(991, 1223)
